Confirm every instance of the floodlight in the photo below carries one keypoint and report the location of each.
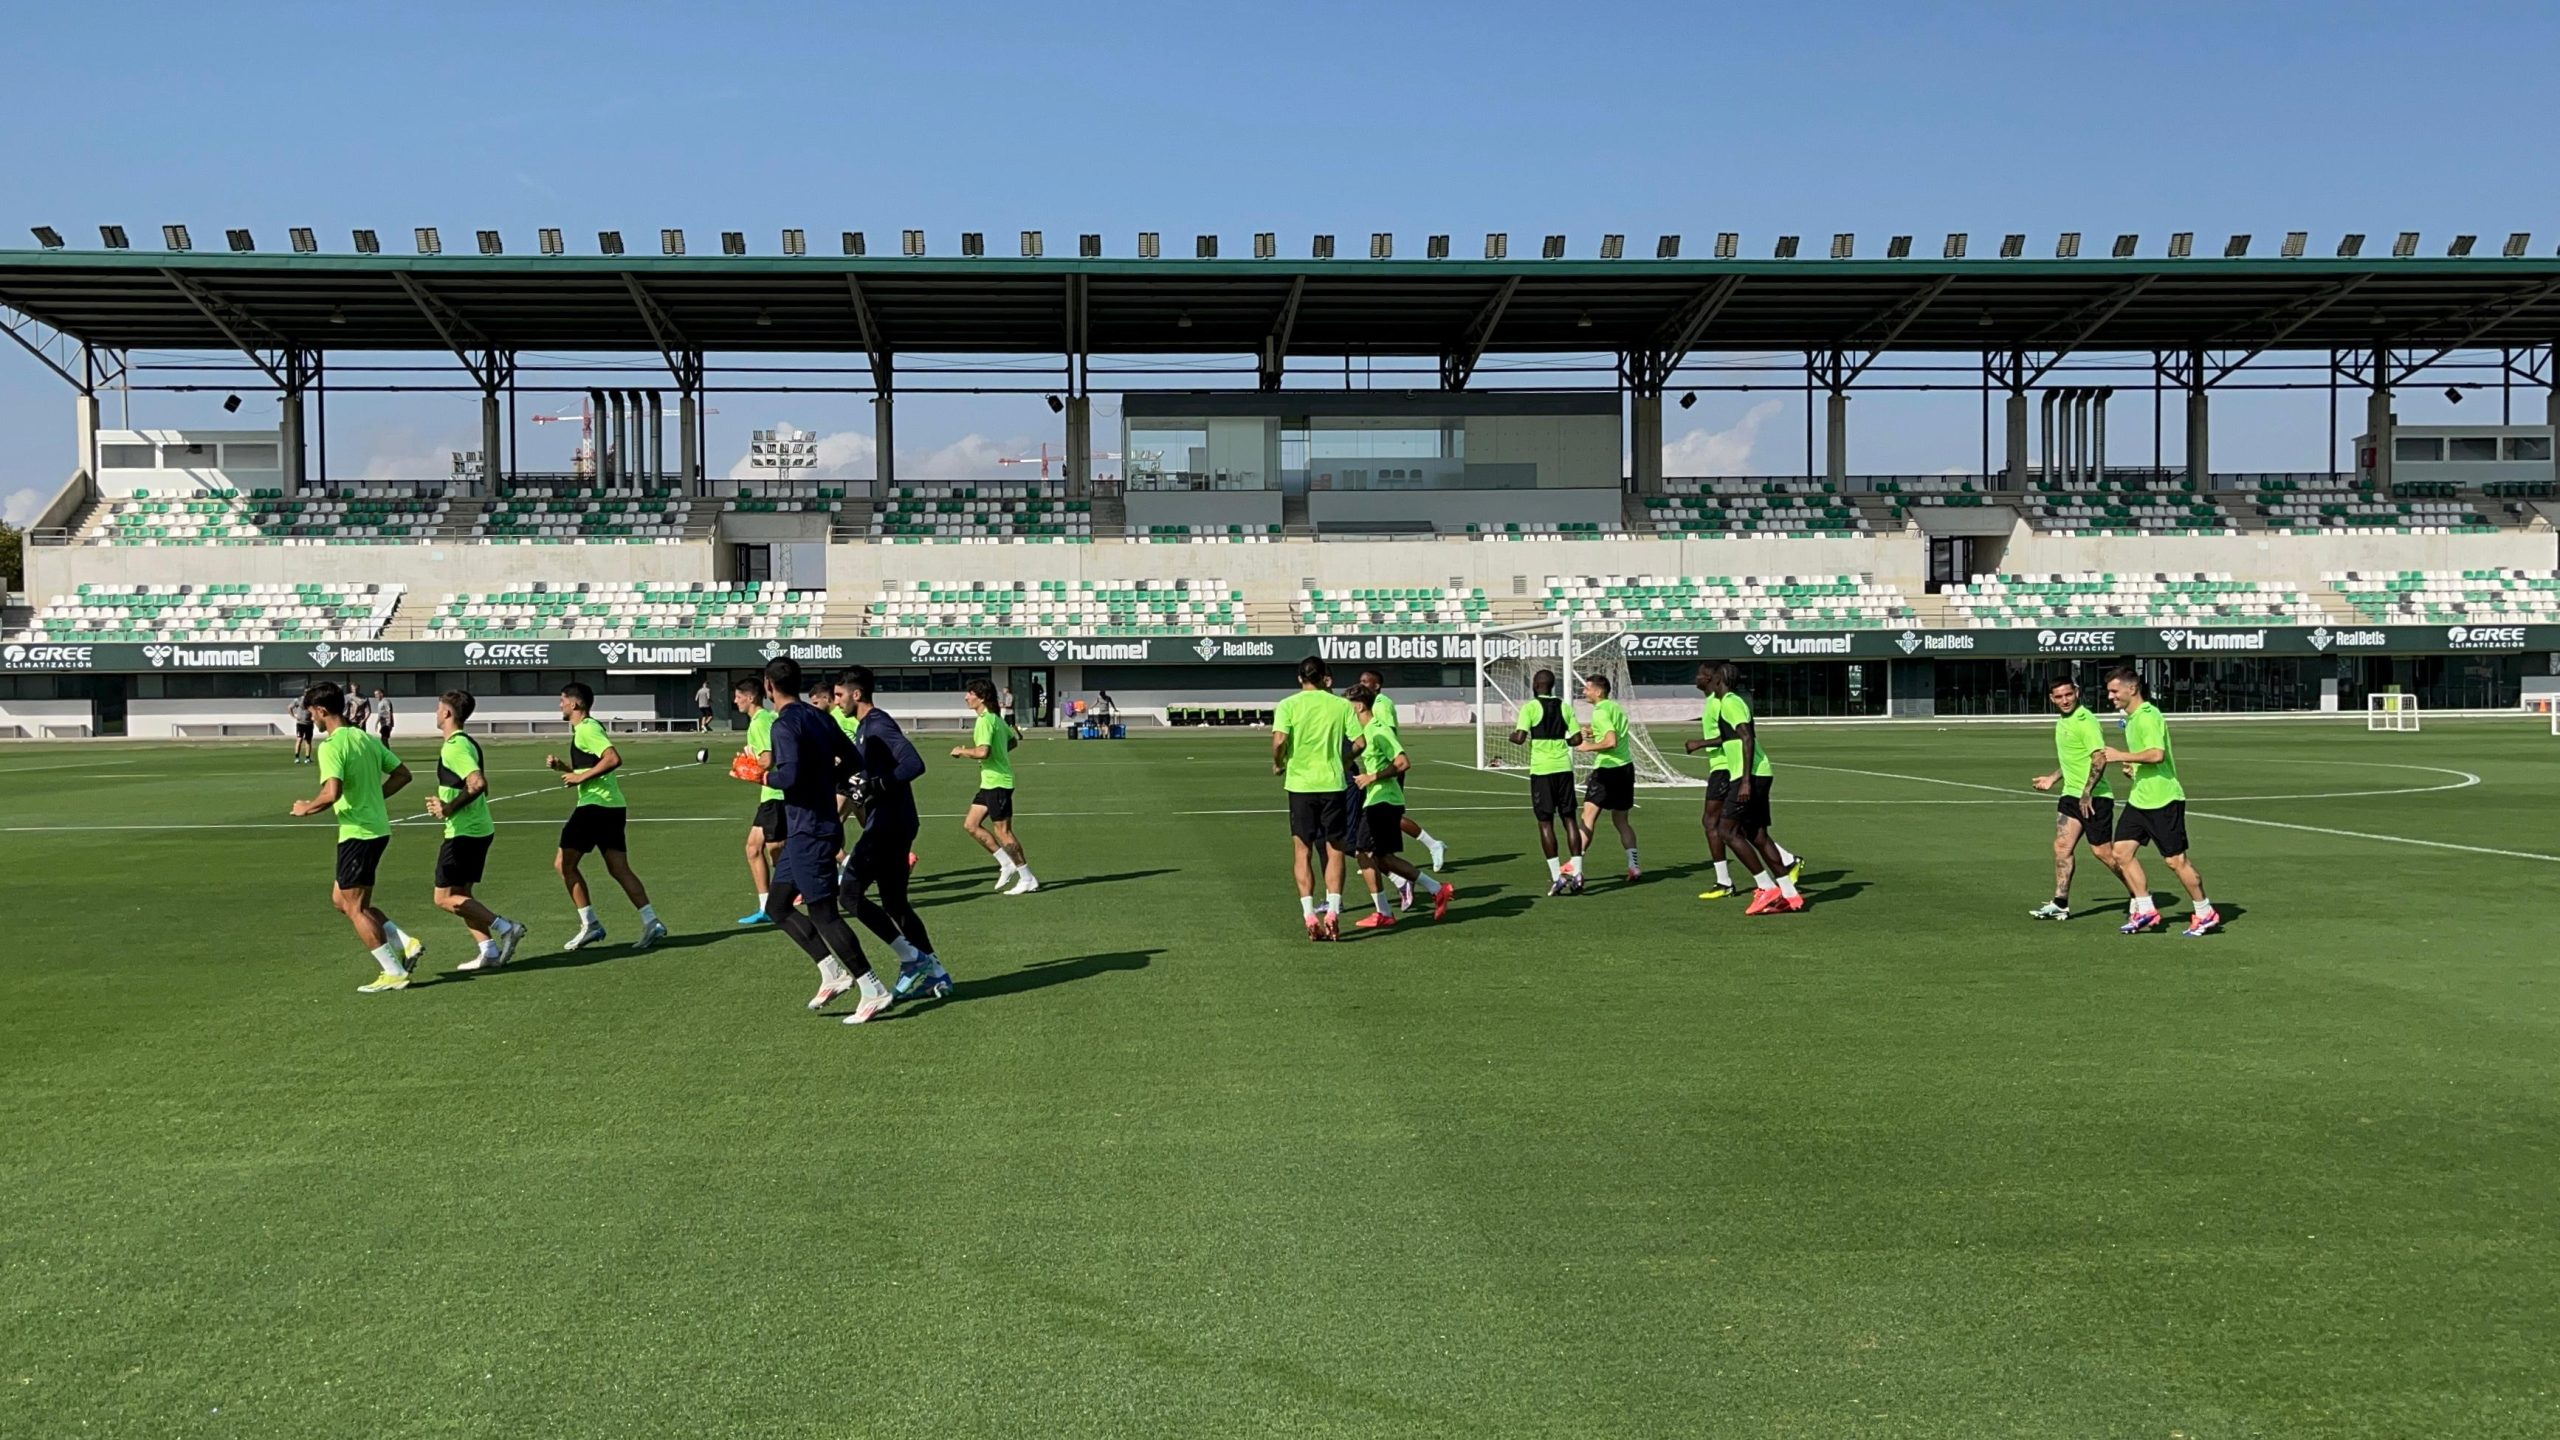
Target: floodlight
(490, 243)
(795, 242)
(1322, 247)
(608, 242)
(1688, 399)
(369, 243)
(1613, 247)
(1204, 247)
(1843, 245)
(48, 237)
(1148, 247)
(1266, 244)
(1033, 243)
(113, 237)
(670, 242)
(1056, 405)
(428, 241)
(911, 242)
(1667, 248)
(1382, 245)
(1786, 247)
(2350, 245)
(304, 241)
(1898, 248)
(2295, 241)
(973, 244)
(1728, 244)
(2235, 247)
(1497, 245)
(240, 241)
(2516, 244)
(1437, 247)
(1954, 248)
(2012, 246)
(2182, 244)
(2066, 246)
(2461, 245)
(1551, 248)
(733, 242)
(174, 237)
(2126, 245)
(2405, 245)
(856, 243)
(1089, 246)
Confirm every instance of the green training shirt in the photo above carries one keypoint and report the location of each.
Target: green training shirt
(996, 771)
(1316, 722)
(760, 742)
(458, 760)
(1611, 717)
(587, 744)
(1382, 710)
(1546, 757)
(2076, 737)
(1380, 759)
(2154, 786)
(1732, 712)
(357, 760)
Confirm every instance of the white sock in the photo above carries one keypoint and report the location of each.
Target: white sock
(1784, 858)
(648, 914)
(1555, 868)
(489, 948)
(1631, 857)
(1573, 866)
(1762, 881)
(1379, 899)
(833, 975)
(1004, 863)
(1428, 843)
(387, 955)
(1426, 885)
(1724, 873)
(1307, 907)
(1786, 887)
(872, 989)
(397, 936)
(2203, 906)
(764, 898)
(1023, 872)
(2142, 905)
(1333, 902)
(587, 917)
(904, 949)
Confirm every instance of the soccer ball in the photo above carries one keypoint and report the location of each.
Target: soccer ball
(701, 757)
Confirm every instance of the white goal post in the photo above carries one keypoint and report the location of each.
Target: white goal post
(1508, 656)
(2391, 710)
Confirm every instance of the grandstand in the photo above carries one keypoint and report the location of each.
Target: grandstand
(2465, 597)
(1055, 607)
(987, 512)
(602, 610)
(1689, 602)
(2092, 598)
(217, 612)
(1749, 506)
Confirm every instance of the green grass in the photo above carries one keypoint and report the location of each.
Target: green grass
(1628, 1164)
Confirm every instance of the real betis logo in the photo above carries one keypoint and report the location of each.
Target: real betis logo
(2320, 638)
(1207, 648)
(321, 653)
(773, 650)
(1909, 642)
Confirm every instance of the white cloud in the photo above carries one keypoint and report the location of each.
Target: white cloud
(407, 455)
(20, 507)
(1718, 452)
(842, 455)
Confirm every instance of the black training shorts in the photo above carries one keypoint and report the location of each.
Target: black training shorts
(1382, 829)
(358, 859)
(462, 861)
(808, 864)
(771, 820)
(998, 801)
(2098, 827)
(1551, 795)
(1719, 786)
(1316, 816)
(594, 827)
(1611, 787)
(302, 733)
(1751, 816)
(2164, 828)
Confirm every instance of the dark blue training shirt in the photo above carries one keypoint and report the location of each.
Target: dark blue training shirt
(890, 766)
(809, 751)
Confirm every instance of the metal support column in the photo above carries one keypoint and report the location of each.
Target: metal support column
(689, 439)
(1079, 445)
(2199, 425)
(884, 428)
(1835, 438)
(2379, 423)
(656, 400)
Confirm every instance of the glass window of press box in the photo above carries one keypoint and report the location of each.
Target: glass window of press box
(1367, 441)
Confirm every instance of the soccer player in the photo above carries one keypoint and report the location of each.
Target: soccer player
(2155, 810)
(2086, 811)
(1746, 811)
(886, 767)
(810, 754)
(461, 801)
(990, 817)
(1384, 707)
(1381, 846)
(382, 716)
(1308, 730)
(764, 833)
(1719, 784)
(598, 822)
(300, 713)
(1545, 725)
(358, 773)
(1612, 786)
(702, 703)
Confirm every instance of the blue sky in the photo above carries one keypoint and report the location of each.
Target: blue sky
(1193, 117)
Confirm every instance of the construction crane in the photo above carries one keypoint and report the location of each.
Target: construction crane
(1045, 459)
(584, 461)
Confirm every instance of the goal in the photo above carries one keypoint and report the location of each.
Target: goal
(2391, 711)
(1508, 657)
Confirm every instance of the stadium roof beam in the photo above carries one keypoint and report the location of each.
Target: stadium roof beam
(1893, 322)
(2496, 312)
(1275, 346)
(2286, 320)
(233, 321)
(461, 337)
(54, 349)
(684, 361)
(875, 346)
(1680, 334)
(1458, 366)
(2090, 318)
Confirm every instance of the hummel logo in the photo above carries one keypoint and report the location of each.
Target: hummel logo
(613, 651)
(1759, 643)
(1053, 648)
(158, 655)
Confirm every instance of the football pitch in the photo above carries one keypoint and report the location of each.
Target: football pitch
(1621, 1164)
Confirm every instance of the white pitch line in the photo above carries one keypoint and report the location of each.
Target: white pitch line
(2391, 839)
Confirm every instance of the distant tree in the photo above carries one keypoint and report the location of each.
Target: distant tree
(13, 557)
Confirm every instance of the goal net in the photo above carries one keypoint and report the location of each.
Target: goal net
(1507, 659)
(2391, 711)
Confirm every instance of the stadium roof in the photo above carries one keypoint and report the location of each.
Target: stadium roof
(128, 300)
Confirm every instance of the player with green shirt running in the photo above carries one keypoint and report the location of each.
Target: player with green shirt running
(599, 821)
(990, 818)
(1545, 725)
(1381, 845)
(2155, 810)
(1719, 784)
(1612, 786)
(1749, 777)
(358, 774)
(461, 801)
(1384, 708)
(2086, 810)
(764, 833)
(1308, 730)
